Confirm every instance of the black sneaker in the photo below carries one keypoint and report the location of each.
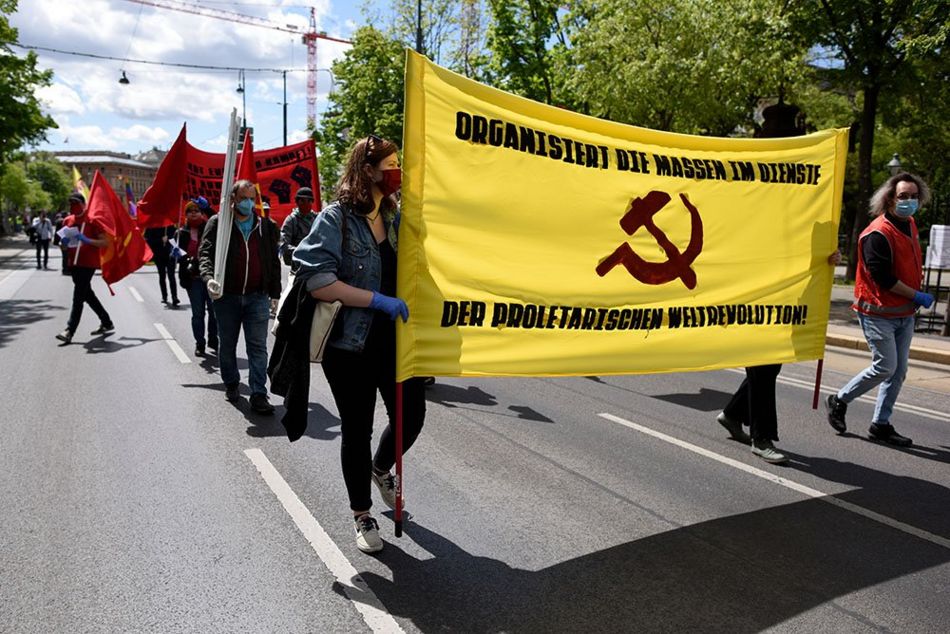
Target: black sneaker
(887, 433)
(260, 404)
(176, 303)
(231, 392)
(836, 411)
(103, 329)
(199, 351)
(213, 345)
(66, 336)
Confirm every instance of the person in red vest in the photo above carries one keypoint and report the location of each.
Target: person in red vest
(886, 296)
(83, 267)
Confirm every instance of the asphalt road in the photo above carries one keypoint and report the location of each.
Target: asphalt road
(133, 497)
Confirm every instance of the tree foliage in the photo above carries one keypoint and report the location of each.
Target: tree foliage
(367, 99)
(52, 176)
(21, 119)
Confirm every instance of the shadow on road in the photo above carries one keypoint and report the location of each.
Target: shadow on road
(704, 401)
(320, 423)
(105, 344)
(743, 573)
(17, 314)
(456, 397)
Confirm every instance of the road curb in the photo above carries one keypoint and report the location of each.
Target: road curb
(916, 352)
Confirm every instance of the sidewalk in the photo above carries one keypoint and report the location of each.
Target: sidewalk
(845, 332)
(843, 328)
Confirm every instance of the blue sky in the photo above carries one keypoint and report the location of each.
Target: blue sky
(95, 112)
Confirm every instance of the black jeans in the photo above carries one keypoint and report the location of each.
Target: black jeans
(753, 404)
(166, 268)
(354, 378)
(42, 245)
(83, 294)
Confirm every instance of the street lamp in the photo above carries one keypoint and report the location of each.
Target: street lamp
(124, 80)
(894, 165)
(240, 90)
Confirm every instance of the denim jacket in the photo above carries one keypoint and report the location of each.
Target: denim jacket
(325, 256)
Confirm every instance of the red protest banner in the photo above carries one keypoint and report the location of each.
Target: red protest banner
(280, 173)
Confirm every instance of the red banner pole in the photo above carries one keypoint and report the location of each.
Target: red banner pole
(814, 403)
(398, 517)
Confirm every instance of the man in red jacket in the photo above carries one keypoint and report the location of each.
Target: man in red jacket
(83, 257)
(886, 296)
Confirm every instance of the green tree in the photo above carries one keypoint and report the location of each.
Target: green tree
(19, 192)
(690, 66)
(868, 47)
(52, 177)
(367, 99)
(21, 118)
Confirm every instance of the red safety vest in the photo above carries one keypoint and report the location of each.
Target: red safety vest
(906, 263)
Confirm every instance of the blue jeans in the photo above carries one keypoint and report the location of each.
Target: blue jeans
(889, 341)
(200, 303)
(251, 311)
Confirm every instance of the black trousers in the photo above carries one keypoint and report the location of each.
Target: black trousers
(83, 294)
(42, 245)
(354, 379)
(753, 404)
(166, 268)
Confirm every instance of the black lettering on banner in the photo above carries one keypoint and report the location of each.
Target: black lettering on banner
(556, 150)
(463, 126)
(495, 132)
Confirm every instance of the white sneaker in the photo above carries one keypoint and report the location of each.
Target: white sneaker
(386, 484)
(367, 534)
(766, 450)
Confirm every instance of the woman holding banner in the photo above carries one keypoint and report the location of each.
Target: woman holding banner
(350, 255)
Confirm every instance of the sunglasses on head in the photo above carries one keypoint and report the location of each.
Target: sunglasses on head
(371, 139)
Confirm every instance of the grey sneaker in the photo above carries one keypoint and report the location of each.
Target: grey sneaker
(66, 336)
(836, 412)
(766, 450)
(386, 484)
(367, 534)
(734, 428)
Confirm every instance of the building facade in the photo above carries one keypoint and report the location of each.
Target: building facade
(115, 167)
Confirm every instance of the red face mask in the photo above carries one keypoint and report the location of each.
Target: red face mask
(195, 221)
(392, 179)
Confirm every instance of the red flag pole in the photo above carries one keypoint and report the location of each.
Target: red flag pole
(814, 403)
(398, 517)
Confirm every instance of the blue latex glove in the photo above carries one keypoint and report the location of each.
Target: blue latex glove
(392, 306)
(923, 299)
(65, 242)
(84, 239)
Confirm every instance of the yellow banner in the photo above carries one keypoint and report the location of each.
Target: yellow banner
(535, 241)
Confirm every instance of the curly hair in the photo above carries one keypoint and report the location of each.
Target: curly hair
(355, 188)
(883, 198)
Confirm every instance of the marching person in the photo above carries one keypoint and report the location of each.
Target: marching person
(189, 239)
(43, 230)
(297, 225)
(251, 280)
(83, 257)
(157, 239)
(886, 296)
(753, 405)
(350, 255)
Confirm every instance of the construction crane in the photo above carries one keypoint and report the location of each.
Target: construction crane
(309, 38)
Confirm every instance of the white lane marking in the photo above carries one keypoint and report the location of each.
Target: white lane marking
(176, 349)
(356, 590)
(19, 277)
(135, 294)
(901, 407)
(785, 482)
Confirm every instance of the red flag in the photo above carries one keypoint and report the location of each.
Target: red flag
(161, 202)
(247, 169)
(127, 250)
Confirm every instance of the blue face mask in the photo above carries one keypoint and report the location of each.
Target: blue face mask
(246, 207)
(906, 208)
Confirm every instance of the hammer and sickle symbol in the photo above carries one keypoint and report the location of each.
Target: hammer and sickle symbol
(677, 265)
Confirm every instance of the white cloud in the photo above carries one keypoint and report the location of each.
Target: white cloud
(141, 133)
(60, 99)
(296, 136)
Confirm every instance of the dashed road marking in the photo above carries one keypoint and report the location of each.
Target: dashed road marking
(135, 294)
(357, 591)
(175, 348)
(785, 482)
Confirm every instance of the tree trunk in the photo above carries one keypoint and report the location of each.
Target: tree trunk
(865, 187)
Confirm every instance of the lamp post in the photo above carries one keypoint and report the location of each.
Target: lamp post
(894, 165)
(284, 73)
(240, 90)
